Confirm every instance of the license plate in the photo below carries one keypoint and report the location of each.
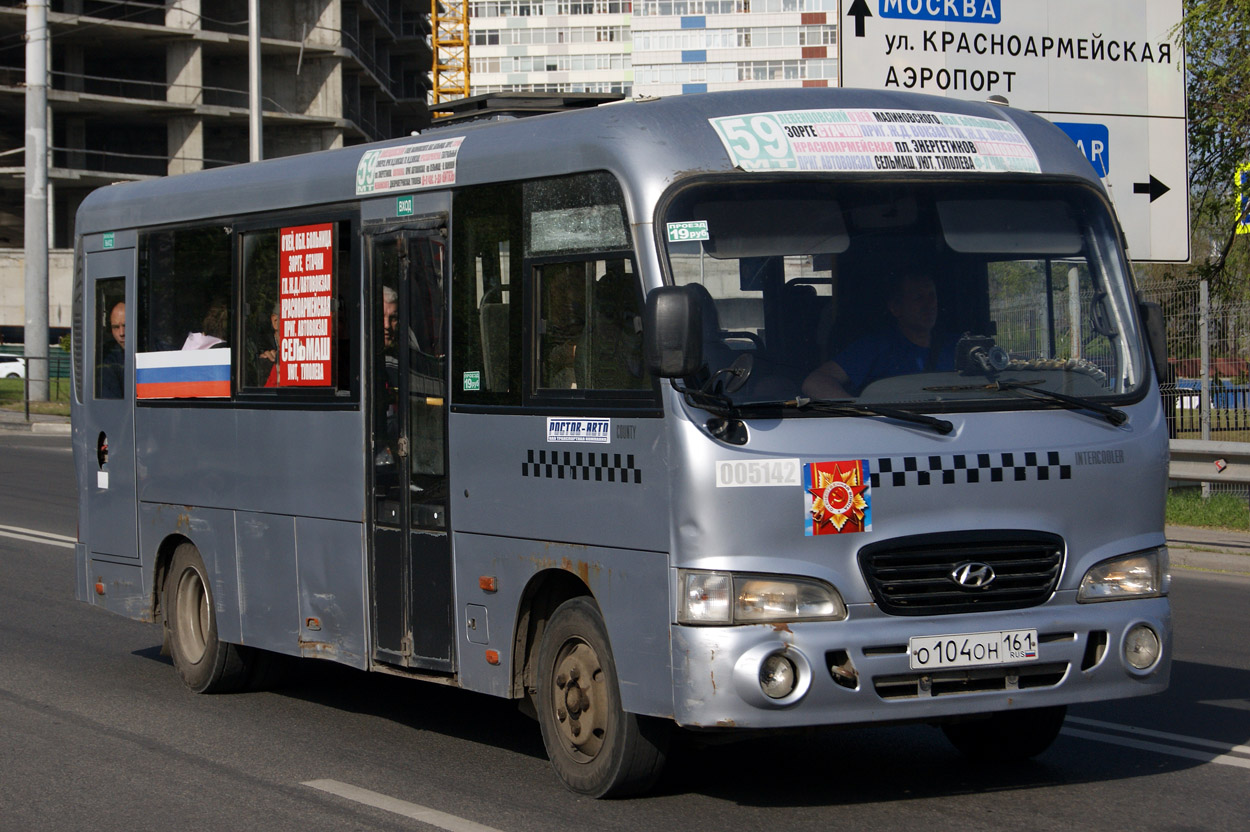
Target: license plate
(972, 649)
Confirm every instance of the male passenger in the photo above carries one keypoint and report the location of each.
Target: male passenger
(390, 315)
(907, 346)
(113, 359)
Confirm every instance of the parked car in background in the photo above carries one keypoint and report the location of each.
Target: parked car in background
(12, 366)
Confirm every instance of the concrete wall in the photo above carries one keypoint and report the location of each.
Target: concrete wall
(13, 287)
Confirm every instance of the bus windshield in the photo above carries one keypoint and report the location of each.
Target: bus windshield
(928, 295)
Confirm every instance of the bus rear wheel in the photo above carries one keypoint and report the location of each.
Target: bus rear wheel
(206, 664)
(1007, 736)
(595, 747)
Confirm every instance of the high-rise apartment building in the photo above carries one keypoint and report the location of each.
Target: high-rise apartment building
(142, 89)
(549, 46)
(651, 47)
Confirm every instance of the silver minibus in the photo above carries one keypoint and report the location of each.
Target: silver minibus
(722, 413)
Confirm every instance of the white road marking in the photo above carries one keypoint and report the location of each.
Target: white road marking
(1175, 751)
(424, 814)
(1161, 735)
(1221, 753)
(1234, 704)
(36, 536)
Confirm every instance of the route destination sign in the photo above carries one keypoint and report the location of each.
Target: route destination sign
(1108, 72)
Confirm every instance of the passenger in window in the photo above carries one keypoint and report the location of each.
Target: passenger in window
(267, 360)
(564, 325)
(113, 357)
(390, 316)
(389, 381)
(215, 329)
(907, 345)
(616, 359)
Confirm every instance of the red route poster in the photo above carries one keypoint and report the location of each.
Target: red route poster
(305, 293)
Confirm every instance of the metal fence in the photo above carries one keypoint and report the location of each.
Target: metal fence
(1207, 391)
(1206, 395)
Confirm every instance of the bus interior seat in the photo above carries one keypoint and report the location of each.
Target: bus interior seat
(493, 313)
(801, 313)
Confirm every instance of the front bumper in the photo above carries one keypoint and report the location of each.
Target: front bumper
(857, 670)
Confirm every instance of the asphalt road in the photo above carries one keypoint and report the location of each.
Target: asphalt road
(97, 732)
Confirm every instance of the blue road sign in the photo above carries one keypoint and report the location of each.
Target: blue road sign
(1093, 141)
(950, 11)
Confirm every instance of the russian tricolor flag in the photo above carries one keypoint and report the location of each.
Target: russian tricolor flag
(182, 374)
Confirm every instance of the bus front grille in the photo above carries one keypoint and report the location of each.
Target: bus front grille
(971, 680)
(1000, 570)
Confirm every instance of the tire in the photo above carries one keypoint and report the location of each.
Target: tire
(1007, 736)
(595, 747)
(12, 375)
(205, 664)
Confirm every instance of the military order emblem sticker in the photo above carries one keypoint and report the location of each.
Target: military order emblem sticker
(838, 497)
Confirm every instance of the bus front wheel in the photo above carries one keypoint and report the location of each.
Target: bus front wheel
(595, 747)
(206, 664)
(1007, 736)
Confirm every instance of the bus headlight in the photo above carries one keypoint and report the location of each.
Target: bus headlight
(728, 598)
(1139, 575)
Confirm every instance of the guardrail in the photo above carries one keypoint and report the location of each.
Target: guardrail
(1194, 460)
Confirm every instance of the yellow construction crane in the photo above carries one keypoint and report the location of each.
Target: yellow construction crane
(450, 21)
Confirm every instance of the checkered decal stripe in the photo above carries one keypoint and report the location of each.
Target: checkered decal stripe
(961, 469)
(581, 465)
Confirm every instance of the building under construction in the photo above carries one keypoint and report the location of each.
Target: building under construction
(145, 89)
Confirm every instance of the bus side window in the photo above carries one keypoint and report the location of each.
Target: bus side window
(260, 308)
(110, 380)
(591, 327)
(184, 289)
(562, 292)
(616, 336)
(294, 305)
(486, 303)
(494, 312)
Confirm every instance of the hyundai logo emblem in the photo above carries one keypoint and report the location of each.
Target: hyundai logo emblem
(973, 575)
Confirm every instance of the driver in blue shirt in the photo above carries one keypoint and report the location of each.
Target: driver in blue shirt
(907, 346)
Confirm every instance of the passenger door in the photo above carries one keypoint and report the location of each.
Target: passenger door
(410, 574)
(109, 510)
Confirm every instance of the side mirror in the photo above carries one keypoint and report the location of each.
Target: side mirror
(1156, 336)
(672, 324)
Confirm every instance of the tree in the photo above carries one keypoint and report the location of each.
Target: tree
(1215, 35)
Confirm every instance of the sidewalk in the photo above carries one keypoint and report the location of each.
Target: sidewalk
(1210, 550)
(15, 420)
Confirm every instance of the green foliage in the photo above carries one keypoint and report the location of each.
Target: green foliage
(13, 392)
(64, 342)
(1215, 35)
(1185, 507)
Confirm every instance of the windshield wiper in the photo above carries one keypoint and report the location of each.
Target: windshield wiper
(1113, 415)
(846, 407)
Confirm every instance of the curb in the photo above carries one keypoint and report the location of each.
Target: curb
(1207, 561)
(46, 428)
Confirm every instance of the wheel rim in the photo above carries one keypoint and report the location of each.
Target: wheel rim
(192, 616)
(579, 695)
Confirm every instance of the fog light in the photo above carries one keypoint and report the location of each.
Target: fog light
(777, 676)
(1141, 647)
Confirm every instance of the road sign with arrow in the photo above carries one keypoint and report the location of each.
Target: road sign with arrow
(859, 10)
(1109, 73)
